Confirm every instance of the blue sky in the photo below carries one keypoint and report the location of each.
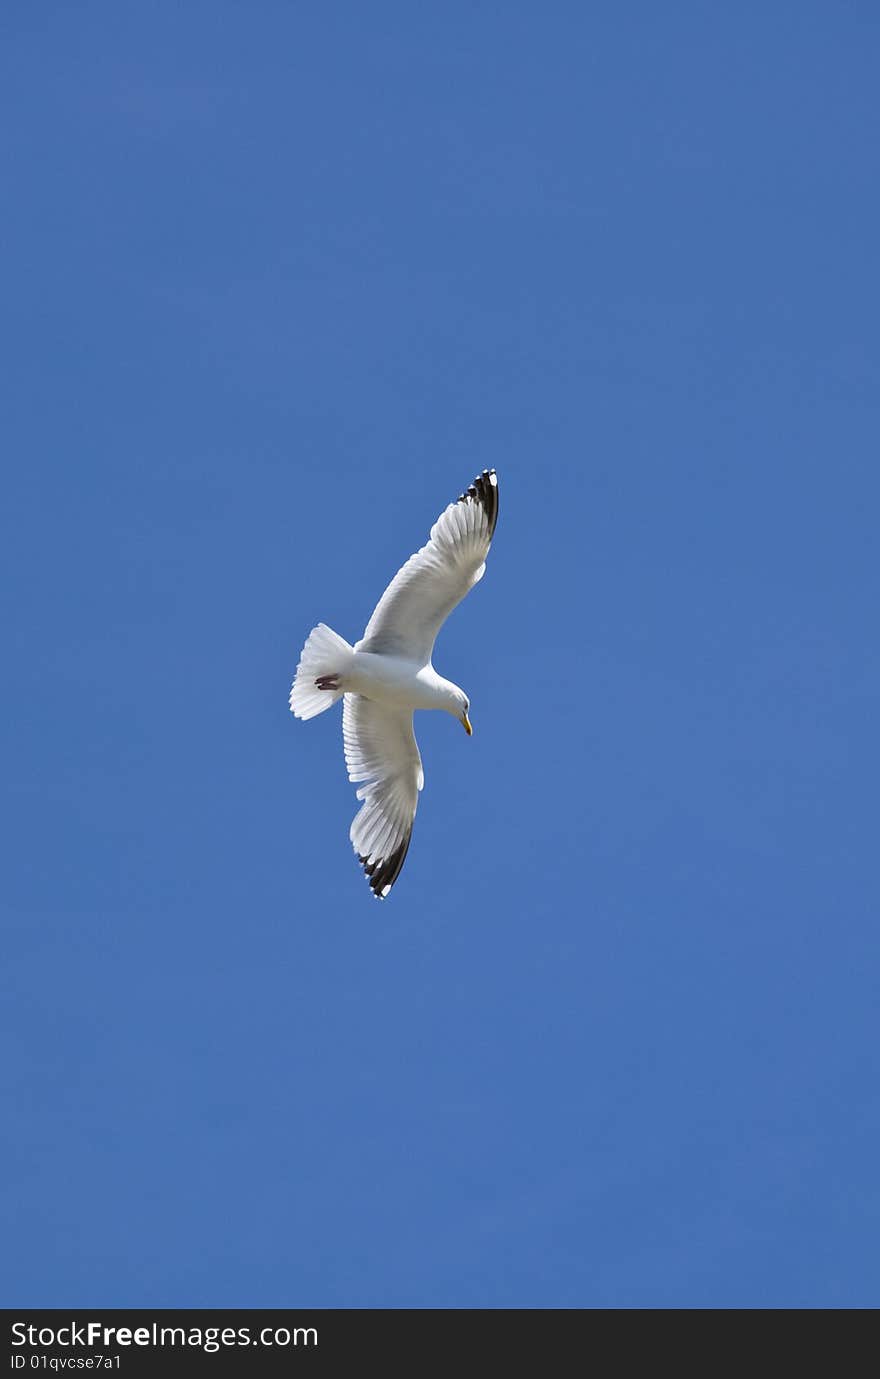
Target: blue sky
(280, 279)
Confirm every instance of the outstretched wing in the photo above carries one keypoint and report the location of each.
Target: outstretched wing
(381, 752)
(425, 590)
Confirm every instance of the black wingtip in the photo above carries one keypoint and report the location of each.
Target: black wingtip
(383, 873)
(484, 490)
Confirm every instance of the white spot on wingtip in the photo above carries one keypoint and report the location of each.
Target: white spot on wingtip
(385, 890)
(493, 479)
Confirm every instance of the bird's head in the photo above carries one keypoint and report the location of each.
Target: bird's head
(454, 701)
(463, 709)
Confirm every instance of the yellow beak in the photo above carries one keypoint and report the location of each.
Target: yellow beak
(466, 724)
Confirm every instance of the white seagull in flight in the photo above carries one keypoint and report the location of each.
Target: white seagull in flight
(388, 674)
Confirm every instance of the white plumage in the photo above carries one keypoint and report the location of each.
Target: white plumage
(388, 674)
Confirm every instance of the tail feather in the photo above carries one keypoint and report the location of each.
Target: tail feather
(325, 656)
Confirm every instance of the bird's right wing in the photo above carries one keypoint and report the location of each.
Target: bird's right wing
(381, 753)
(425, 590)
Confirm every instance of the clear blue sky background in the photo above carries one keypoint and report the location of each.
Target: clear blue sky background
(280, 279)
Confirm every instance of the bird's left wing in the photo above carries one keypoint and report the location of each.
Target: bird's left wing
(382, 755)
(425, 590)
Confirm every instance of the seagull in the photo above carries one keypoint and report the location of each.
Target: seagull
(388, 674)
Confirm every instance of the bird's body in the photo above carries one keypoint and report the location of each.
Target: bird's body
(388, 674)
(394, 680)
